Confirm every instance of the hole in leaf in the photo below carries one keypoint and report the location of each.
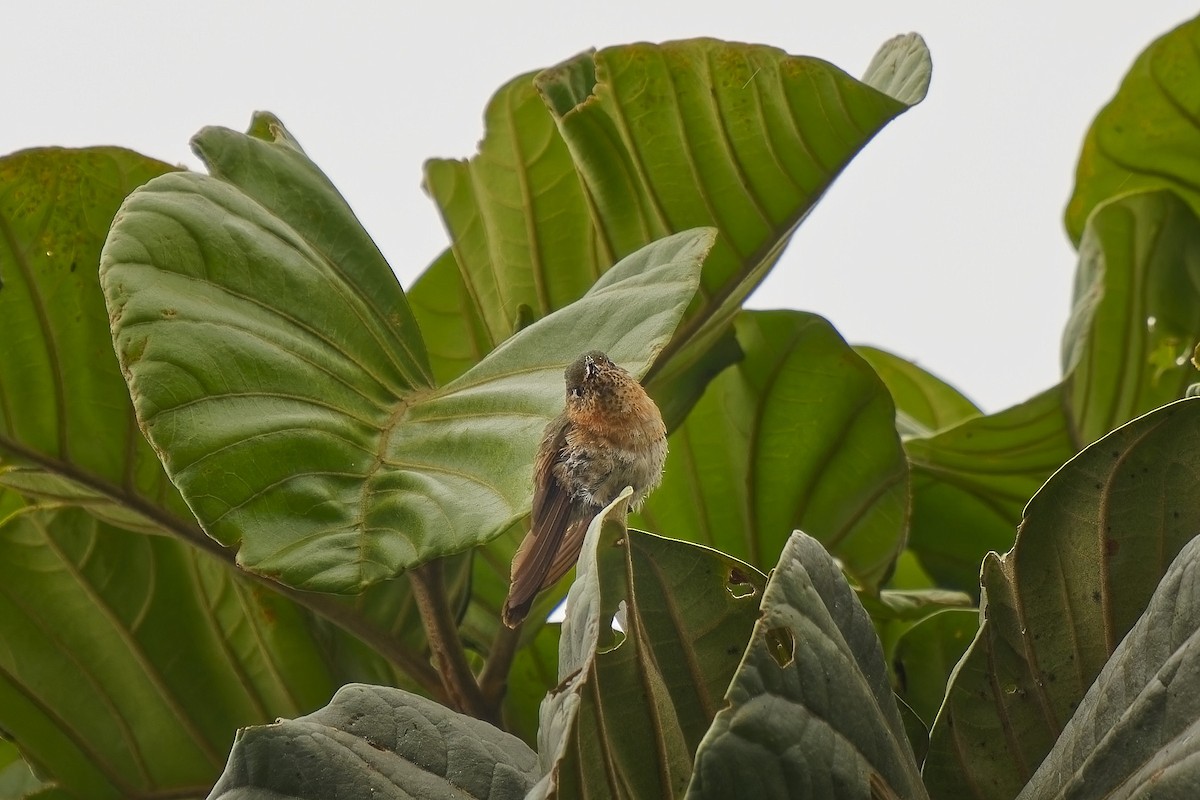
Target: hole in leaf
(738, 585)
(618, 620)
(610, 640)
(614, 636)
(782, 646)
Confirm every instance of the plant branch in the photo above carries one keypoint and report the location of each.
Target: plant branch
(494, 679)
(429, 589)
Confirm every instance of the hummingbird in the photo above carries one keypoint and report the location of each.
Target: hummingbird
(610, 435)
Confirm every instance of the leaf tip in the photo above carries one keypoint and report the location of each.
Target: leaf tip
(901, 69)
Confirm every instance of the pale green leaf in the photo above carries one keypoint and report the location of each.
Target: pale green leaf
(901, 68)
(308, 432)
(17, 780)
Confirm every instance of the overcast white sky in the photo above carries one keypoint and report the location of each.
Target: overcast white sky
(942, 242)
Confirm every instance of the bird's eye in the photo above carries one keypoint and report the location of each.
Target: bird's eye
(576, 391)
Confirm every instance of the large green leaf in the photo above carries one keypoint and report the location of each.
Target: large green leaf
(454, 333)
(276, 367)
(371, 741)
(744, 138)
(633, 706)
(800, 433)
(516, 212)
(925, 404)
(1136, 319)
(1136, 315)
(130, 658)
(1134, 734)
(67, 429)
(1146, 137)
(810, 712)
(641, 141)
(69, 436)
(1093, 545)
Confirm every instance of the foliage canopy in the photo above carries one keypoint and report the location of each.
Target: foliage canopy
(245, 476)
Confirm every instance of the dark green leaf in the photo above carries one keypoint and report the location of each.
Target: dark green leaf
(534, 673)
(970, 483)
(517, 215)
(634, 143)
(1093, 545)
(372, 741)
(686, 613)
(1135, 322)
(70, 437)
(1134, 733)
(449, 319)
(810, 712)
(744, 138)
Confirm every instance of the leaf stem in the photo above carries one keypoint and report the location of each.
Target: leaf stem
(429, 589)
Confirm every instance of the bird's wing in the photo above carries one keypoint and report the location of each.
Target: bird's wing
(568, 549)
(551, 520)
